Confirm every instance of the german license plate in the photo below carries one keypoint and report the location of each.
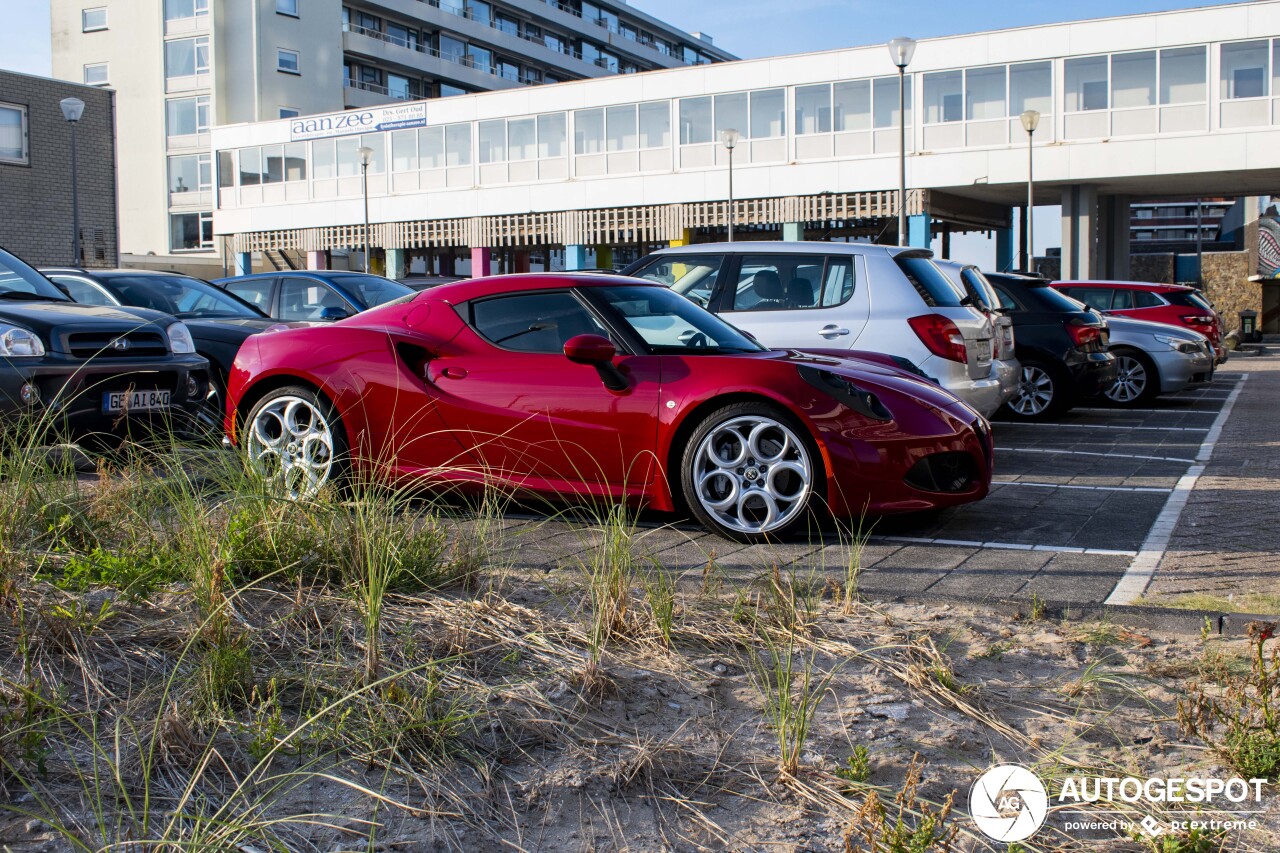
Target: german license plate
(984, 350)
(135, 401)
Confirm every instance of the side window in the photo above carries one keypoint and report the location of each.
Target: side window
(1097, 298)
(82, 291)
(256, 291)
(533, 322)
(306, 299)
(693, 276)
(778, 282)
(1122, 301)
(839, 283)
(1146, 299)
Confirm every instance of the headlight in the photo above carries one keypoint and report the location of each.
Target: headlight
(180, 340)
(1189, 347)
(16, 342)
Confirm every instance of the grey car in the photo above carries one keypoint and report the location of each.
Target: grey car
(1154, 359)
(974, 285)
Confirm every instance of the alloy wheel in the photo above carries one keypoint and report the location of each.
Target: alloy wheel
(291, 441)
(752, 474)
(1131, 380)
(1035, 392)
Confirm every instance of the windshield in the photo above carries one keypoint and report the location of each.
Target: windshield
(668, 323)
(19, 281)
(178, 295)
(371, 290)
(693, 276)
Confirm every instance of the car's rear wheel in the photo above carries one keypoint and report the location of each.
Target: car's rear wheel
(294, 439)
(1137, 379)
(1042, 392)
(751, 473)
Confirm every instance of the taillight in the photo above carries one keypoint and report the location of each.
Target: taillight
(941, 336)
(1198, 319)
(1084, 335)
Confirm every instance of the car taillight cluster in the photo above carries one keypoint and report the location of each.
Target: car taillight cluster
(941, 336)
(1199, 319)
(1084, 335)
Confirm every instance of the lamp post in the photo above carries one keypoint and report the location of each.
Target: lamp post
(729, 139)
(72, 110)
(901, 50)
(366, 157)
(1030, 121)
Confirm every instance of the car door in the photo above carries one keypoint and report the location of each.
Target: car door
(256, 291)
(805, 301)
(533, 418)
(312, 299)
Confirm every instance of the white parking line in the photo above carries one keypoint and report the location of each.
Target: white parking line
(1006, 546)
(1109, 426)
(1086, 488)
(1150, 411)
(1090, 453)
(1138, 576)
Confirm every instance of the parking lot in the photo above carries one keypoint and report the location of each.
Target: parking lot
(1080, 512)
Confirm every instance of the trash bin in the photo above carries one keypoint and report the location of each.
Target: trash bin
(1249, 326)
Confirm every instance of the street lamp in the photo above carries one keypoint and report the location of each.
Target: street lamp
(72, 110)
(1030, 121)
(901, 50)
(729, 139)
(366, 157)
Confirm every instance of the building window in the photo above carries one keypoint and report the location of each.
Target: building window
(13, 134)
(1183, 77)
(289, 112)
(177, 10)
(1030, 88)
(190, 231)
(187, 116)
(1087, 84)
(190, 173)
(96, 74)
(1245, 69)
(287, 7)
(1133, 79)
(287, 61)
(92, 20)
(884, 92)
(943, 97)
(186, 57)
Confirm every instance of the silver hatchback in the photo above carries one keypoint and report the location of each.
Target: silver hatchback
(859, 296)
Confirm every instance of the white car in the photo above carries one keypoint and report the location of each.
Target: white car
(982, 295)
(846, 296)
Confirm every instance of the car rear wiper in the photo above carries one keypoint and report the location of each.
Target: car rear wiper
(23, 296)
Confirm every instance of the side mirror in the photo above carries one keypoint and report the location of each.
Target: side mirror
(590, 349)
(333, 312)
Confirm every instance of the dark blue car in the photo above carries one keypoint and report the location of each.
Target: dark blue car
(313, 295)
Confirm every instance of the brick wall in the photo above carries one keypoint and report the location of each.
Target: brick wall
(35, 198)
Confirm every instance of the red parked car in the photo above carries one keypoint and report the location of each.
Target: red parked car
(1171, 304)
(599, 386)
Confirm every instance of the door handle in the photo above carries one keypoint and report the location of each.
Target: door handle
(832, 331)
(453, 373)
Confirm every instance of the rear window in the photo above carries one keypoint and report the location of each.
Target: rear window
(1189, 299)
(1055, 301)
(372, 290)
(934, 288)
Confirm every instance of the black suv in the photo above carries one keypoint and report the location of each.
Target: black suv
(90, 369)
(1061, 346)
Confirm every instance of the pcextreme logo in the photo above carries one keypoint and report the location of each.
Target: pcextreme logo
(1008, 803)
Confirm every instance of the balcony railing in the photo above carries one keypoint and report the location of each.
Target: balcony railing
(465, 60)
(379, 89)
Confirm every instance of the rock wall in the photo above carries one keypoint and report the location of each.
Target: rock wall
(1157, 269)
(1226, 283)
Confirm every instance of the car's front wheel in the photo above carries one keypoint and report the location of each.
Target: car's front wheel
(751, 473)
(1137, 380)
(293, 438)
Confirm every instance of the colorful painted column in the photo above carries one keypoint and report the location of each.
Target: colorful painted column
(244, 263)
(918, 236)
(397, 263)
(317, 260)
(793, 232)
(575, 258)
(481, 261)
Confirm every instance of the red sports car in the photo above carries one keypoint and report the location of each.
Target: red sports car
(606, 387)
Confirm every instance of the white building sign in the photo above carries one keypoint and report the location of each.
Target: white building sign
(397, 117)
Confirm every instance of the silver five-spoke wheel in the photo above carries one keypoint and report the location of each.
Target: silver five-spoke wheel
(1035, 392)
(1131, 380)
(752, 474)
(291, 441)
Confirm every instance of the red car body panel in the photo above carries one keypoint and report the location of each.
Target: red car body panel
(1171, 314)
(423, 397)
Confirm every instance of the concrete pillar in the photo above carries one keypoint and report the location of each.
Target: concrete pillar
(481, 261)
(1080, 232)
(918, 236)
(448, 263)
(686, 238)
(244, 263)
(521, 262)
(397, 263)
(575, 258)
(1113, 237)
(1004, 249)
(317, 260)
(604, 257)
(793, 232)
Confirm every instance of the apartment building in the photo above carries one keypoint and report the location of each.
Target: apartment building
(181, 67)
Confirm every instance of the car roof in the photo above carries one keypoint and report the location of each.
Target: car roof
(795, 247)
(1128, 285)
(97, 273)
(475, 288)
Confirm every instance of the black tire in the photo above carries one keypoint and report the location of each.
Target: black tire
(1137, 379)
(1044, 391)
(298, 453)
(209, 415)
(770, 505)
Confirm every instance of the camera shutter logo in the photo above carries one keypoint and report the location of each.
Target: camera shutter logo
(1008, 803)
